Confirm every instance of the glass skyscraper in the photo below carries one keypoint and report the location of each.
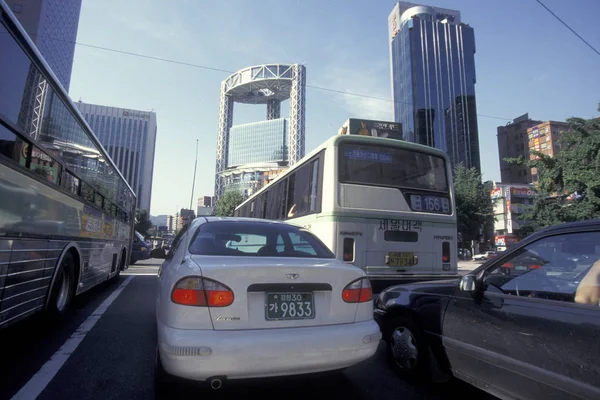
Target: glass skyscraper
(432, 57)
(129, 137)
(256, 152)
(258, 142)
(52, 26)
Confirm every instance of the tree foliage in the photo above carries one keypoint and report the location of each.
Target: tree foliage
(142, 222)
(227, 204)
(569, 183)
(474, 207)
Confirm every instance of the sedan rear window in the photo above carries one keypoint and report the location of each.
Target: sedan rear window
(261, 239)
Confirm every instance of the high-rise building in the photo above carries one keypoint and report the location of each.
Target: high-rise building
(513, 143)
(205, 206)
(256, 150)
(544, 137)
(432, 59)
(129, 137)
(247, 153)
(52, 26)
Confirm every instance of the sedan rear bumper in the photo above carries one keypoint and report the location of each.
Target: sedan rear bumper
(202, 354)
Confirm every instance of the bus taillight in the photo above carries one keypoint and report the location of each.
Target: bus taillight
(348, 249)
(446, 252)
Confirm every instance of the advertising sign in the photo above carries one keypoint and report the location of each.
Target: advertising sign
(535, 132)
(508, 213)
(365, 127)
(505, 240)
(91, 222)
(394, 22)
(136, 114)
(496, 193)
(522, 192)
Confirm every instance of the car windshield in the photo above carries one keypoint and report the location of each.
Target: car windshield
(139, 236)
(262, 239)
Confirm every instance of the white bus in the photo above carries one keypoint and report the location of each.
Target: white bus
(66, 213)
(384, 205)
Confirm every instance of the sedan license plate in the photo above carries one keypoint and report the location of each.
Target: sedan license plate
(403, 259)
(286, 306)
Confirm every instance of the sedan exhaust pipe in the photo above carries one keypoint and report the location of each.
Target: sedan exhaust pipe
(216, 383)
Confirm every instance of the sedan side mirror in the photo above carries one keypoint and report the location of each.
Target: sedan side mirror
(467, 283)
(159, 253)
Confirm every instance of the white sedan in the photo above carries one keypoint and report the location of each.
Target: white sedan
(244, 298)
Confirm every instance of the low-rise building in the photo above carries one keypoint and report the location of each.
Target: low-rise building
(544, 138)
(510, 203)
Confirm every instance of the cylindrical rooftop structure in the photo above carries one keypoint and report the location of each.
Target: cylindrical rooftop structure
(268, 84)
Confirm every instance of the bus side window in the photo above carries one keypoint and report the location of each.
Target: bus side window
(87, 192)
(71, 183)
(11, 145)
(290, 210)
(314, 186)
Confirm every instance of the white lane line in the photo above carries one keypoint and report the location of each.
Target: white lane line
(42, 378)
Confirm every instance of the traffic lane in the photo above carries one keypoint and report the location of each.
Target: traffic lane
(146, 267)
(116, 360)
(370, 380)
(28, 344)
(33, 341)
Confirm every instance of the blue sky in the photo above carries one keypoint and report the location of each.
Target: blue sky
(526, 61)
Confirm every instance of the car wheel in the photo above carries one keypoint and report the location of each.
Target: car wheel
(407, 351)
(63, 290)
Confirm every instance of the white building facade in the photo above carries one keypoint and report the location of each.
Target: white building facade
(510, 203)
(129, 137)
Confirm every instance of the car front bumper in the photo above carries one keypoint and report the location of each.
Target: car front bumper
(202, 354)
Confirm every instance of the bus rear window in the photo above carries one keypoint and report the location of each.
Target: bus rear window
(391, 167)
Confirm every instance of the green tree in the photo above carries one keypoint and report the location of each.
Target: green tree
(474, 208)
(227, 204)
(568, 184)
(142, 222)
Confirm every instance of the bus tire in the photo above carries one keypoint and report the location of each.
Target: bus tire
(63, 290)
(121, 266)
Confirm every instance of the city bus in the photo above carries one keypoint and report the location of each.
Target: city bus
(385, 205)
(66, 212)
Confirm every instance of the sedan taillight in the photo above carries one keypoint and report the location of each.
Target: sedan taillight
(201, 292)
(358, 291)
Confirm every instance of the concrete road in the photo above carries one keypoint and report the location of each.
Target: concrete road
(105, 350)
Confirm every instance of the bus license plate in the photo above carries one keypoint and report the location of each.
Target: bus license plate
(401, 259)
(286, 306)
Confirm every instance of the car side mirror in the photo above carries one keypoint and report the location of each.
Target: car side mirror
(468, 283)
(159, 253)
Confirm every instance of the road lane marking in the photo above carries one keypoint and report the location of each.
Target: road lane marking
(38, 382)
(139, 273)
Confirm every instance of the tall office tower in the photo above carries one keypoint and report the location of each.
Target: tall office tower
(432, 58)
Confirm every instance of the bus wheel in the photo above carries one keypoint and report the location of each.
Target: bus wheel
(62, 292)
(120, 267)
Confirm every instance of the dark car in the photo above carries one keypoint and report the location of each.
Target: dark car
(140, 249)
(525, 324)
